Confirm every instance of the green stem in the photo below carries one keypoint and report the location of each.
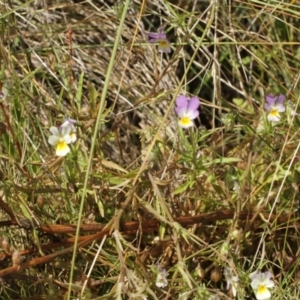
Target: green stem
(101, 108)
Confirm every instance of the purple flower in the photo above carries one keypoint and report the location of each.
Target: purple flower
(187, 110)
(274, 105)
(69, 122)
(160, 38)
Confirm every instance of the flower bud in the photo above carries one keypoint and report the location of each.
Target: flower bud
(225, 247)
(216, 274)
(200, 272)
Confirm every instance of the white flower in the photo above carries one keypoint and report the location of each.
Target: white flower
(261, 282)
(161, 279)
(71, 124)
(60, 138)
(232, 281)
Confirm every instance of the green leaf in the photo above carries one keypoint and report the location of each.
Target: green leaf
(222, 160)
(183, 187)
(79, 90)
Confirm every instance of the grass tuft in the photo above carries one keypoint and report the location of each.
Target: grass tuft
(141, 208)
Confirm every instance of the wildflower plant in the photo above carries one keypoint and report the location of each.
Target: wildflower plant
(231, 280)
(160, 38)
(187, 110)
(161, 279)
(261, 282)
(136, 172)
(60, 139)
(274, 106)
(63, 136)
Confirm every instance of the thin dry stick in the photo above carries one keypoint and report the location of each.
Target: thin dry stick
(47, 258)
(92, 265)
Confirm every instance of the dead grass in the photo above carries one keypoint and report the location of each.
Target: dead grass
(137, 194)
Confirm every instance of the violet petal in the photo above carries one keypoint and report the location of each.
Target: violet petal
(280, 99)
(271, 99)
(193, 114)
(182, 100)
(194, 103)
(180, 111)
(152, 35)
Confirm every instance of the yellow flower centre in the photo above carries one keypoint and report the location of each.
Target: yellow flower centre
(61, 145)
(185, 121)
(163, 44)
(261, 289)
(274, 113)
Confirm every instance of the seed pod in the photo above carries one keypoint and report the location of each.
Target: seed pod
(16, 258)
(216, 274)
(40, 201)
(6, 246)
